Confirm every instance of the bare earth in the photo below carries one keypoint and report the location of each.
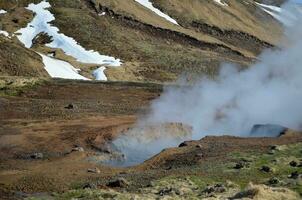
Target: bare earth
(53, 117)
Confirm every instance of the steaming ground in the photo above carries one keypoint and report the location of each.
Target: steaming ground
(269, 92)
(147, 139)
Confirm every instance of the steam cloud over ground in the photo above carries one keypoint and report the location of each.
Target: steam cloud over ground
(269, 92)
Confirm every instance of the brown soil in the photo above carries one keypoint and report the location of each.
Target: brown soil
(36, 121)
(39, 120)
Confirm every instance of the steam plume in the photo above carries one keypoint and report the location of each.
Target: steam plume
(269, 92)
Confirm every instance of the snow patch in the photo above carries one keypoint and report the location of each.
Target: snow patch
(99, 74)
(61, 69)
(221, 3)
(2, 11)
(149, 5)
(270, 7)
(6, 34)
(102, 14)
(40, 24)
(281, 15)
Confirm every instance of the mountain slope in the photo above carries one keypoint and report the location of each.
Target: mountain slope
(151, 47)
(16, 60)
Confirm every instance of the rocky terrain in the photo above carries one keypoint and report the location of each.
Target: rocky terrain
(76, 75)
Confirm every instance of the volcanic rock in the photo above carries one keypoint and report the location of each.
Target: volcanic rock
(37, 156)
(41, 39)
(274, 147)
(164, 191)
(90, 186)
(69, 107)
(184, 144)
(79, 149)
(294, 175)
(239, 165)
(273, 181)
(218, 188)
(293, 164)
(265, 169)
(120, 182)
(261, 130)
(94, 170)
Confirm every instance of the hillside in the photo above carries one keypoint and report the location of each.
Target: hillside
(153, 49)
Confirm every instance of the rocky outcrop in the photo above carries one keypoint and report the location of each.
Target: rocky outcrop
(233, 37)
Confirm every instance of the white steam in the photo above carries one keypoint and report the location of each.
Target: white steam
(269, 92)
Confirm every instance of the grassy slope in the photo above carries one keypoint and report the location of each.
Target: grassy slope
(157, 56)
(239, 16)
(15, 59)
(152, 54)
(234, 180)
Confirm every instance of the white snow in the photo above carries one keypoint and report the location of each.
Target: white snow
(2, 11)
(221, 3)
(270, 7)
(274, 15)
(60, 69)
(102, 14)
(278, 13)
(99, 74)
(40, 24)
(149, 5)
(6, 34)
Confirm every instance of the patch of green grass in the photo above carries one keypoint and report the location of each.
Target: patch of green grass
(217, 172)
(278, 161)
(202, 182)
(17, 86)
(221, 172)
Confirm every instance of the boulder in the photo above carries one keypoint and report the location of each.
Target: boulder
(218, 188)
(79, 149)
(69, 107)
(267, 130)
(90, 186)
(185, 144)
(293, 164)
(273, 181)
(239, 165)
(294, 175)
(119, 182)
(243, 163)
(37, 156)
(266, 169)
(94, 170)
